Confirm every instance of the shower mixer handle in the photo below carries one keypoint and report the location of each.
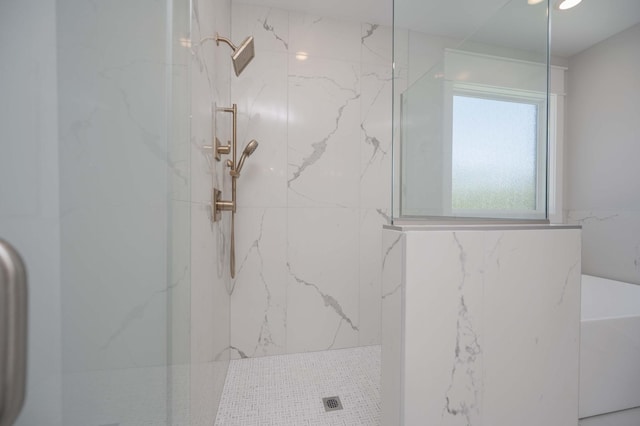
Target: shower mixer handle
(218, 205)
(221, 149)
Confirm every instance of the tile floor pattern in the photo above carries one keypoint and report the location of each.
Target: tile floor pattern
(287, 390)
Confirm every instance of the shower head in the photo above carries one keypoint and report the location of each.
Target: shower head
(242, 54)
(248, 150)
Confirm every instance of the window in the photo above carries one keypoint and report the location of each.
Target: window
(474, 140)
(498, 152)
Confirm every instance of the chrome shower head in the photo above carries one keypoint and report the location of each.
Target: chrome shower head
(248, 150)
(242, 54)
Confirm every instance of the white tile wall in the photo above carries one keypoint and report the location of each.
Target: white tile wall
(313, 197)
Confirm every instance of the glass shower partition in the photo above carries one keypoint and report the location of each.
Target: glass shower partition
(470, 110)
(123, 97)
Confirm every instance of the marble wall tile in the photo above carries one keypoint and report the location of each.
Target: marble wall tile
(610, 243)
(324, 37)
(323, 150)
(376, 124)
(261, 94)
(322, 292)
(449, 265)
(179, 274)
(376, 44)
(258, 300)
(268, 26)
(489, 327)
(325, 118)
(531, 327)
(370, 274)
(180, 145)
(392, 254)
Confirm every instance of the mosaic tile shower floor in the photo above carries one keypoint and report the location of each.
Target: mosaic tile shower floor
(287, 390)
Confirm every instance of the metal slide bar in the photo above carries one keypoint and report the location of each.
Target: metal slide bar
(13, 333)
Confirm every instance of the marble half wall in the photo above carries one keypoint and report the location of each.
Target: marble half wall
(314, 196)
(481, 327)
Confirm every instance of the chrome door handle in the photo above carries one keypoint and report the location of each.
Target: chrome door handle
(13, 333)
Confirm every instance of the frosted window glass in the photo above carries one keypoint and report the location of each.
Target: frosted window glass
(494, 162)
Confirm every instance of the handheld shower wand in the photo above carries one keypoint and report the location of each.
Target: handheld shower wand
(248, 150)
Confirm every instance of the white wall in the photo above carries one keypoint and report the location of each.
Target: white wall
(602, 148)
(313, 197)
(29, 214)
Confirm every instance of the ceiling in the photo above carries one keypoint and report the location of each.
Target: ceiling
(515, 26)
(590, 22)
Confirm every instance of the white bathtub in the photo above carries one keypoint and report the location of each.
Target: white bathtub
(609, 351)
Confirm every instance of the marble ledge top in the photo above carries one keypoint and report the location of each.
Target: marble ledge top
(442, 226)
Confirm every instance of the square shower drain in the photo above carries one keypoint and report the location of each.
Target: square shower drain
(332, 403)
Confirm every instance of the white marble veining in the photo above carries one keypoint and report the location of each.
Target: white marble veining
(322, 297)
(323, 134)
(484, 327)
(258, 301)
(375, 125)
(531, 328)
(261, 95)
(370, 259)
(268, 26)
(317, 98)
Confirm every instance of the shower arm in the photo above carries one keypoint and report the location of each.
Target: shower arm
(218, 38)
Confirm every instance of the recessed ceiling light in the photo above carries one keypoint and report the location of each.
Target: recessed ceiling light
(568, 4)
(534, 1)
